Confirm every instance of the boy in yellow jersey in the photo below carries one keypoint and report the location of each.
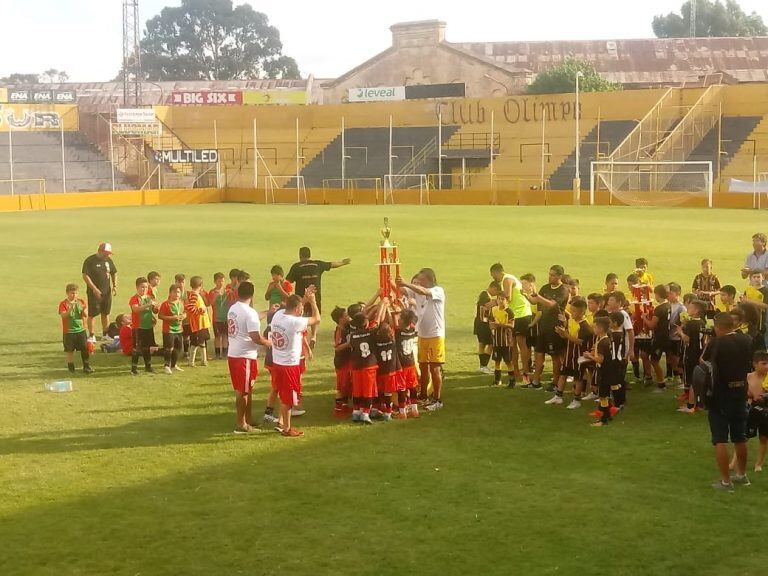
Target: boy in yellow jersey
(502, 323)
(574, 290)
(641, 270)
(199, 322)
(726, 299)
(577, 334)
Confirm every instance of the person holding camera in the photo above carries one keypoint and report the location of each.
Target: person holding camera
(730, 355)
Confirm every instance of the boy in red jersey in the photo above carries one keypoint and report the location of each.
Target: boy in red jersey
(341, 362)
(388, 372)
(231, 288)
(73, 311)
(172, 314)
(199, 322)
(143, 310)
(279, 288)
(218, 301)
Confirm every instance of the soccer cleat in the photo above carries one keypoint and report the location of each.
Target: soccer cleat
(149, 370)
(292, 433)
(574, 404)
(510, 385)
(167, 370)
(598, 424)
(134, 371)
(686, 410)
(485, 370)
(412, 411)
(87, 370)
(723, 487)
(554, 400)
(386, 417)
(278, 428)
(531, 386)
(365, 418)
(271, 418)
(247, 430)
(436, 405)
(741, 480)
(590, 396)
(296, 412)
(178, 368)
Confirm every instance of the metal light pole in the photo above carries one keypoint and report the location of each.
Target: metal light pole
(577, 176)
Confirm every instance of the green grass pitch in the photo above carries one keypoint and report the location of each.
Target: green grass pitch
(143, 476)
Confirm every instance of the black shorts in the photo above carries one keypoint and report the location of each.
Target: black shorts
(675, 348)
(502, 354)
(660, 348)
(728, 421)
(172, 341)
(483, 333)
(200, 337)
(219, 328)
(643, 345)
(75, 341)
(99, 306)
(757, 421)
(549, 342)
(532, 335)
(522, 326)
(143, 338)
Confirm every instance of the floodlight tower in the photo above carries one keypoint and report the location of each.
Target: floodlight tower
(131, 54)
(692, 32)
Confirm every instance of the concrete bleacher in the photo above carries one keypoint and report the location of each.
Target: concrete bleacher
(37, 155)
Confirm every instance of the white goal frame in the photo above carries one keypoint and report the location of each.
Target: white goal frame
(389, 189)
(272, 183)
(705, 165)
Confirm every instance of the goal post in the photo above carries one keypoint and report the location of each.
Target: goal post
(394, 182)
(649, 183)
(286, 187)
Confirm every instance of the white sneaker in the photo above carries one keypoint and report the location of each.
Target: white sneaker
(357, 415)
(590, 396)
(365, 418)
(386, 416)
(574, 404)
(485, 370)
(271, 418)
(168, 370)
(178, 368)
(296, 412)
(555, 400)
(436, 405)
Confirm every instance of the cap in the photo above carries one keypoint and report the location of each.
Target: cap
(105, 247)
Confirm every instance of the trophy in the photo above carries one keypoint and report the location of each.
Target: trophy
(388, 258)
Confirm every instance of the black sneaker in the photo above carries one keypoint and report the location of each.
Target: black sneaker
(510, 385)
(531, 386)
(149, 370)
(87, 370)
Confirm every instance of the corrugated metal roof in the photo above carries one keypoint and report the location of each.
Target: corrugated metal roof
(657, 59)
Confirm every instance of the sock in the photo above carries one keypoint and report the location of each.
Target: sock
(559, 393)
(511, 376)
(84, 356)
(71, 366)
(484, 359)
(224, 350)
(339, 403)
(134, 359)
(192, 355)
(216, 351)
(174, 357)
(387, 405)
(497, 375)
(636, 368)
(205, 354)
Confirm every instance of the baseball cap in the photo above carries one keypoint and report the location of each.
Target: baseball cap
(105, 247)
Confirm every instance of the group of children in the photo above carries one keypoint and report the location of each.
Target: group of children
(602, 334)
(375, 360)
(187, 316)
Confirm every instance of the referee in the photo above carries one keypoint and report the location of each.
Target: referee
(100, 276)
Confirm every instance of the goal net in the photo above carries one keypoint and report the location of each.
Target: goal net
(652, 183)
(285, 190)
(398, 182)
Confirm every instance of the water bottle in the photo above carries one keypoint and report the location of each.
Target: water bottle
(59, 386)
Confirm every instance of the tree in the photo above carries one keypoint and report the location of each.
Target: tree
(211, 40)
(18, 78)
(561, 79)
(713, 19)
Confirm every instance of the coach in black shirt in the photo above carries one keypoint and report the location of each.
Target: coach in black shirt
(100, 276)
(731, 356)
(307, 272)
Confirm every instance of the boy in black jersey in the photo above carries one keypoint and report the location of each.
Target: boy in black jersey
(693, 337)
(341, 362)
(610, 359)
(577, 334)
(388, 367)
(408, 382)
(364, 368)
(659, 322)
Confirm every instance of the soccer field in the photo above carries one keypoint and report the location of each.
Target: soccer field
(144, 476)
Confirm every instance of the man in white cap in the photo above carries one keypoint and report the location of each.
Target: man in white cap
(100, 276)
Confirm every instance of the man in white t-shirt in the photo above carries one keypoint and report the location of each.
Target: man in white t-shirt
(430, 309)
(286, 333)
(244, 331)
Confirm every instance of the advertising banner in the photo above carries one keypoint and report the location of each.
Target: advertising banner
(38, 117)
(282, 97)
(378, 94)
(206, 156)
(204, 97)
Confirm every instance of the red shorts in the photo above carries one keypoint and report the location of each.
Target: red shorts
(288, 379)
(364, 383)
(242, 372)
(387, 383)
(408, 378)
(343, 380)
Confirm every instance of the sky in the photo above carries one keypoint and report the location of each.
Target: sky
(327, 38)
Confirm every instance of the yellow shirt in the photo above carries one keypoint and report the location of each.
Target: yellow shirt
(720, 306)
(589, 317)
(765, 383)
(573, 328)
(645, 278)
